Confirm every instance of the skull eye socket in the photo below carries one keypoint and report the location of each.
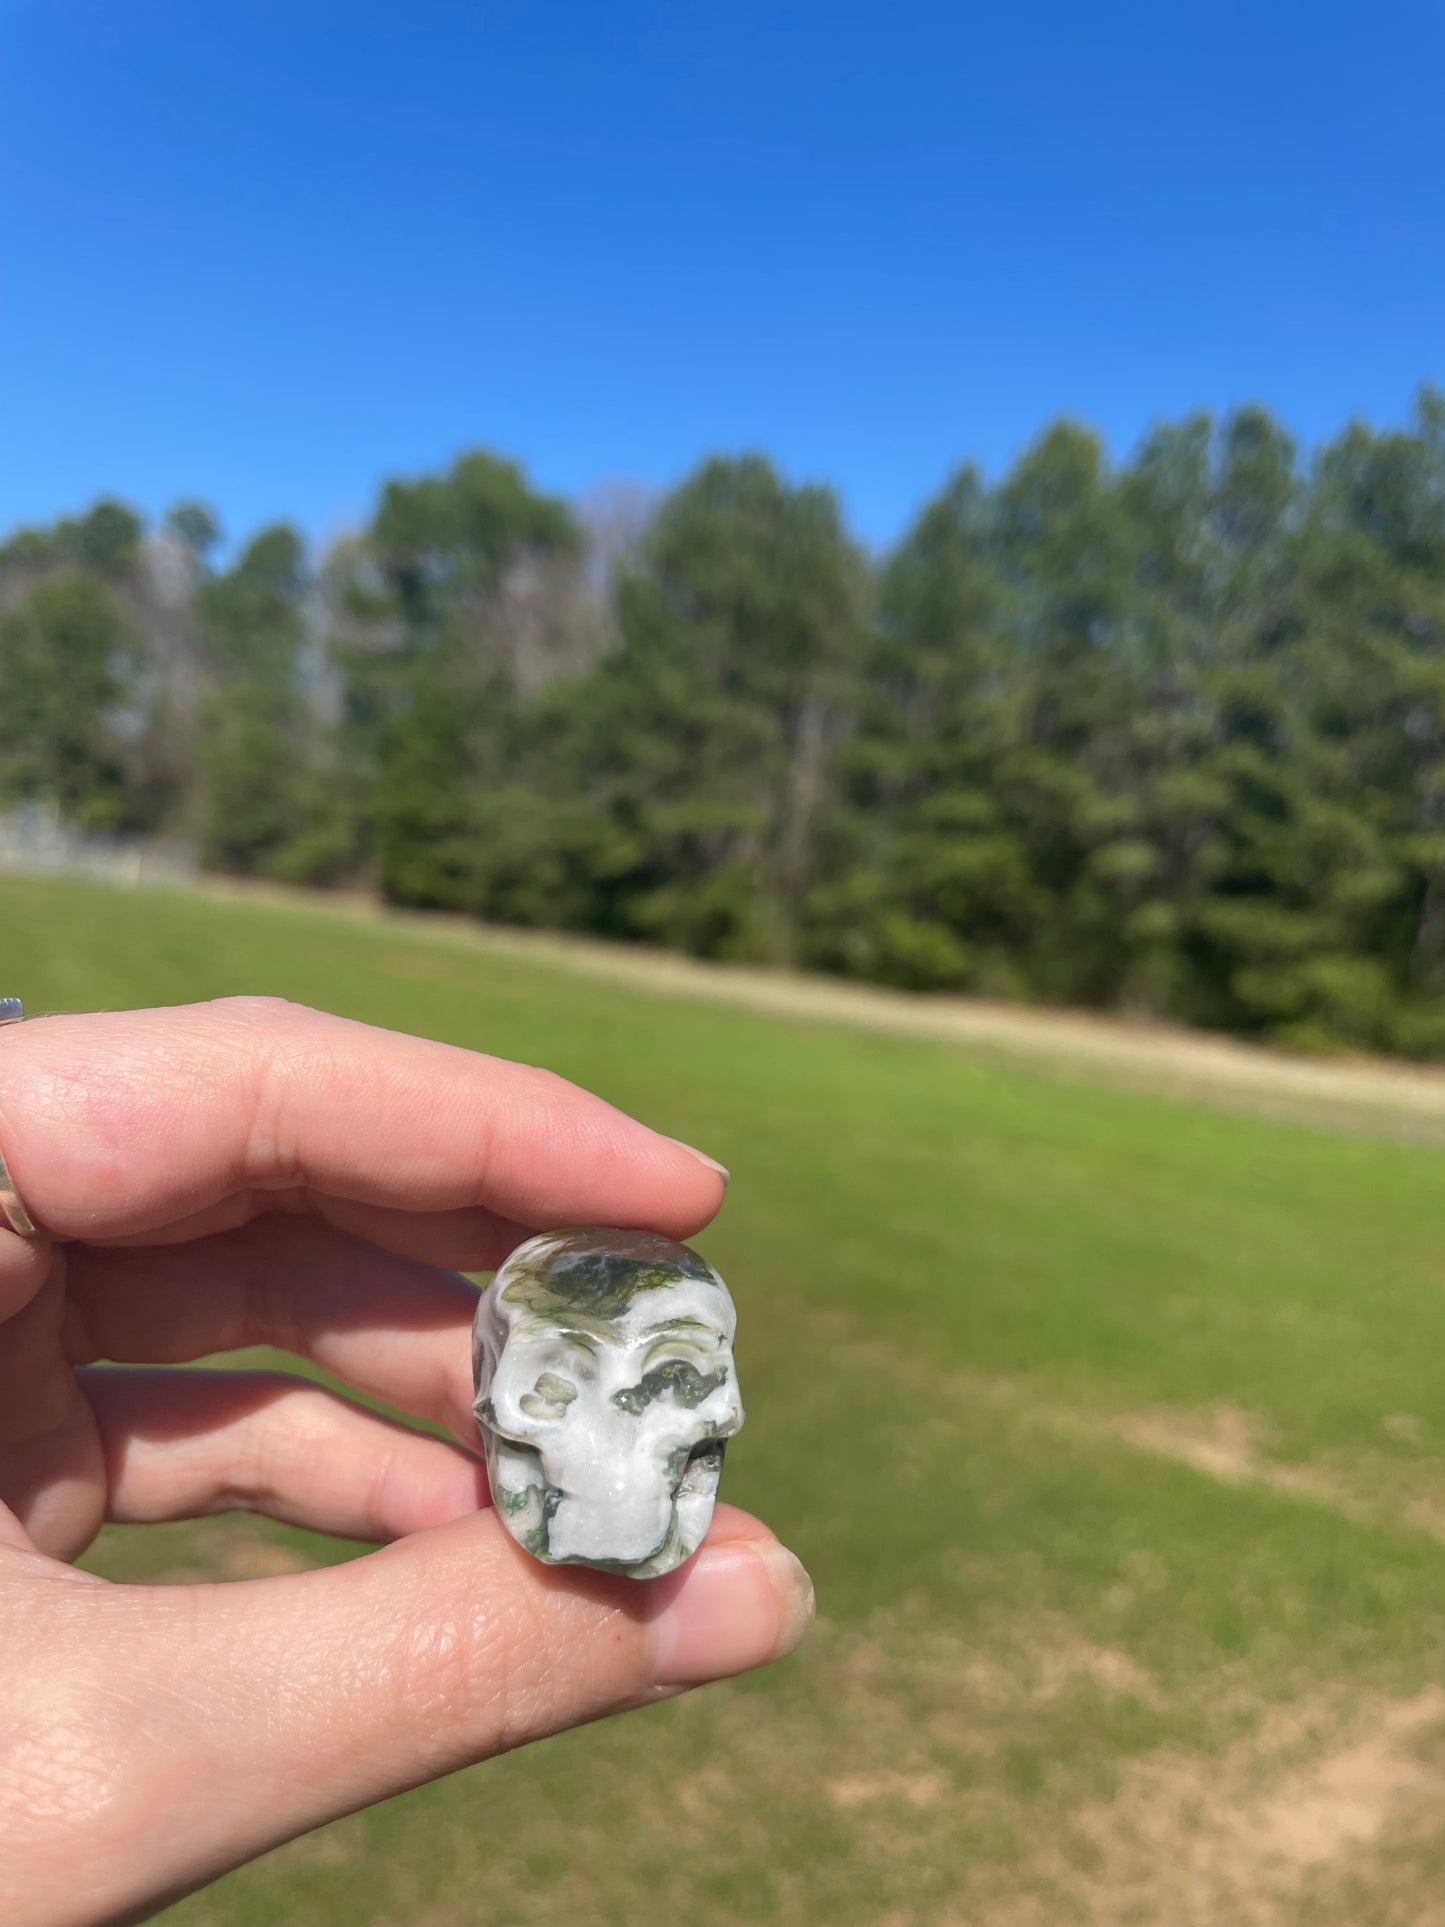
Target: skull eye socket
(549, 1398)
(675, 1379)
(676, 1352)
(688, 1339)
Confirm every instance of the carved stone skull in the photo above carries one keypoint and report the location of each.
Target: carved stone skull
(606, 1391)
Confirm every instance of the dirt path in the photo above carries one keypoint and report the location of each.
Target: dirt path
(1372, 1095)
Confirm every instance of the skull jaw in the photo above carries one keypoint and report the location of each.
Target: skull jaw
(641, 1533)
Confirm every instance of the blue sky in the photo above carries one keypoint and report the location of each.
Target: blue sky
(270, 253)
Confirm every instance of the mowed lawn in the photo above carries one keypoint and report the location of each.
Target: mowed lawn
(1111, 1428)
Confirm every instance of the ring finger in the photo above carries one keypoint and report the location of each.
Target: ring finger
(388, 1326)
(181, 1444)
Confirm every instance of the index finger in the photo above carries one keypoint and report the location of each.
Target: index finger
(121, 1123)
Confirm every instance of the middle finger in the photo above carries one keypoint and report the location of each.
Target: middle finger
(182, 1444)
(386, 1325)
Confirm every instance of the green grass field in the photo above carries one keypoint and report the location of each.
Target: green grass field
(1117, 1463)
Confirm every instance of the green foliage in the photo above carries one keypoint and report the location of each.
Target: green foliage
(435, 658)
(271, 800)
(105, 540)
(441, 539)
(1167, 736)
(65, 657)
(196, 526)
(705, 741)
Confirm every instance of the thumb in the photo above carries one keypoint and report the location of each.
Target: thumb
(262, 1709)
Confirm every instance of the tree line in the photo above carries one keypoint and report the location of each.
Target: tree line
(1164, 736)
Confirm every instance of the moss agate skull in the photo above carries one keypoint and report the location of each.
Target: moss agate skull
(606, 1392)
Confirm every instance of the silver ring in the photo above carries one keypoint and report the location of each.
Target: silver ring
(11, 1209)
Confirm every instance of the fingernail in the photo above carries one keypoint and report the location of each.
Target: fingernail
(733, 1607)
(703, 1158)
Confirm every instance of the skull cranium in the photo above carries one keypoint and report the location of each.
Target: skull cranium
(606, 1391)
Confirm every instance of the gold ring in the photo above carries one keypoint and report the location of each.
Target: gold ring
(11, 1209)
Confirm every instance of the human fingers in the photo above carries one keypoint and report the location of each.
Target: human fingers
(24, 1268)
(471, 1239)
(13, 1536)
(387, 1325)
(246, 1714)
(122, 1123)
(180, 1444)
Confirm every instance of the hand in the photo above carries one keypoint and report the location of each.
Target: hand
(250, 1173)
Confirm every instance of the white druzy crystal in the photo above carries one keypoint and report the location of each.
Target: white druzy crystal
(605, 1392)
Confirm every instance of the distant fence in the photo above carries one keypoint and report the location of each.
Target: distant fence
(33, 838)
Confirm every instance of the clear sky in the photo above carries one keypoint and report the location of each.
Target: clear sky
(270, 252)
